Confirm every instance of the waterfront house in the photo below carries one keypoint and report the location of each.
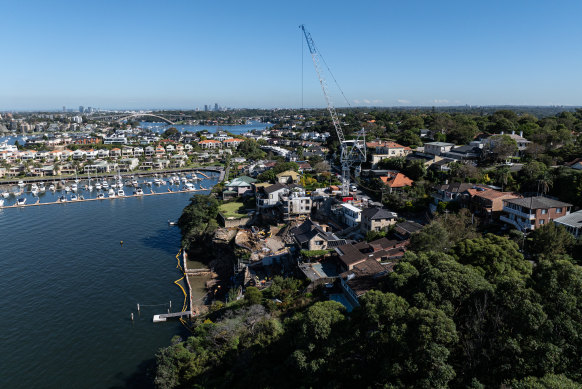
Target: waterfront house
(103, 153)
(128, 164)
(138, 152)
(232, 143)
(527, 214)
(127, 152)
(115, 152)
(149, 151)
(241, 185)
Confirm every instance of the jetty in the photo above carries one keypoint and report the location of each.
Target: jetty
(37, 204)
(165, 316)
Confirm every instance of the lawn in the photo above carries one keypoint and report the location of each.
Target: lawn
(232, 210)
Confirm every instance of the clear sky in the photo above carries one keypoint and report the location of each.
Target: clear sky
(184, 54)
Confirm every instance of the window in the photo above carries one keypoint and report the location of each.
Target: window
(542, 222)
(544, 211)
(558, 210)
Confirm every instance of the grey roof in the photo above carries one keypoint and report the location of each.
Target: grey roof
(308, 230)
(573, 220)
(274, 188)
(537, 202)
(439, 144)
(455, 187)
(408, 227)
(378, 213)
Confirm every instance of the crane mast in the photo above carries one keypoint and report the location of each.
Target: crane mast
(351, 151)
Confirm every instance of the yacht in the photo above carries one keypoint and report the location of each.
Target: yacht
(188, 186)
(67, 189)
(100, 196)
(52, 188)
(105, 185)
(42, 188)
(138, 192)
(21, 184)
(5, 194)
(98, 185)
(111, 193)
(1, 202)
(120, 193)
(74, 187)
(21, 201)
(157, 181)
(63, 199)
(74, 197)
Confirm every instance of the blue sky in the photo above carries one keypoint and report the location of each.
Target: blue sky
(184, 54)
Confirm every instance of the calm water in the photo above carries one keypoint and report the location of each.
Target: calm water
(68, 288)
(241, 129)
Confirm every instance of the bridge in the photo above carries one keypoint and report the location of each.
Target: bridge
(120, 117)
(165, 316)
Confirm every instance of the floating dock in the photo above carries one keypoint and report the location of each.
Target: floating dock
(103, 199)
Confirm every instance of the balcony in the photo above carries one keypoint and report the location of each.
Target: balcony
(516, 223)
(529, 216)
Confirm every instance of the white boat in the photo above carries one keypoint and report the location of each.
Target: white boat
(5, 194)
(98, 186)
(188, 186)
(74, 187)
(74, 197)
(111, 193)
(157, 181)
(21, 201)
(62, 199)
(120, 193)
(90, 188)
(42, 189)
(100, 196)
(52, 188)
(21, 184)
(67, 189)
(105, 185)
(138, 192)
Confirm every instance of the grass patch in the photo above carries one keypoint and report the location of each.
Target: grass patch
(234, 209)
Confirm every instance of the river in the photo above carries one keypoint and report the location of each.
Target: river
(69, 287)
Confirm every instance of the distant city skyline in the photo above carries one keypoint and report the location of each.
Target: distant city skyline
(185, 55)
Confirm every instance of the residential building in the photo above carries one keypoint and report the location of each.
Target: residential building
(572, 223)
(232, 143)
(396, 181)
(352, 216)
(527, 214)
(288, 177)
(240, 185)
(385, 150)
(295, 203)
(313, 236)
(380, 250)
(438, 148)
(405, 229)
(268, 196)
(210, 144)
(377, 219)
(489, 202)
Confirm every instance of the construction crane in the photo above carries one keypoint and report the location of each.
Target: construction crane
(353, 152)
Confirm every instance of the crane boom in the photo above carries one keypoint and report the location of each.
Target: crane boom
(351, 151)
(330, 107)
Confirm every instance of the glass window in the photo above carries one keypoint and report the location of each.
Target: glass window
(542, 221)
(544, 211)
(558, 210)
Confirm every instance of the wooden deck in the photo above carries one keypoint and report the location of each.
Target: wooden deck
(165, 316)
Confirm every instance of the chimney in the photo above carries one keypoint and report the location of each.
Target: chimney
(521, 134)
(513, 132)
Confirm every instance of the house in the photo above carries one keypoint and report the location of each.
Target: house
(288, 177)
(268, 196)
(127, 152)
(138, 151)
(352, 216)
(572, 223)
(91, 154)
(377, 219)
(472, 152)
(489, 202)
(295, 203)
(115, 152)
(396, 181)
(79, 154)
(450, 192)
(438, 148)
(404, 230)
(232, 143)
(210, 144)
(527, 214)
(313, 236)
(385, 150)
(128, 164)
(97, 167)
(149, 151)
(379, 250)
(103, 153)
(240, 185)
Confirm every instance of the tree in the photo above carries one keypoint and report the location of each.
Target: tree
(501, 147)
(550, 240)
(493, 256)
(253, 296)
(170, 132)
